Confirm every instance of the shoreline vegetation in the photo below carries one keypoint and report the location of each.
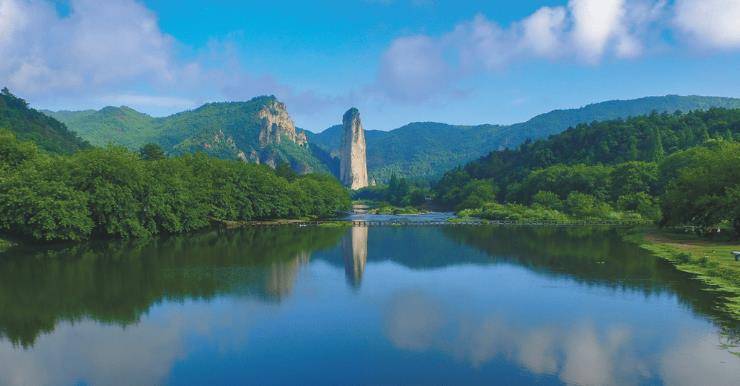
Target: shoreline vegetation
(112, 192)
(710, 261)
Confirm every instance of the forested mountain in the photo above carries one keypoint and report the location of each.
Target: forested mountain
(119, 125)
(645, 138)
(640, 165)
(259, 130)
(30, 125)
(420, 150)
(428, 149)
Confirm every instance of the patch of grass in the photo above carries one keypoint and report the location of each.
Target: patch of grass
(711, 261)
(335, 224)
(5, 244)
(396, 210)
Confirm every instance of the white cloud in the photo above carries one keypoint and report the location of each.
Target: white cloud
(595, 22)
(584, 32)
(587, 30)
(95, 46)
(709, 23)
(113, 52)
(542, 31)
(412, 67)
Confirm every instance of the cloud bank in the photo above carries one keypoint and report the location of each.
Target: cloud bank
(585, 32)
(114, 52)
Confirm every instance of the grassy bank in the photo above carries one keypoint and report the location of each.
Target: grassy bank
(711, 261)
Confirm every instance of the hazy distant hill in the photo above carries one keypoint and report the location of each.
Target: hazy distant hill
(259, 130)
(428, 149)
(31, 125)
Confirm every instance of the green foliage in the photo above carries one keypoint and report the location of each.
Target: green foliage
(548, 200)
(151, 152)
(706, 188)
(399, 192)
(563, 179)
(13, 153)
(112, 192)
(43, 206)
(515, 212)
(641, 203)
(621, 164)
(30, 125)
(477, 193)
(606, 143)
(586, 206)
(633, 177)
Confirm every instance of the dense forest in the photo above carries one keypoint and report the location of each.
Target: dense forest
(674, 168)
(31, 125)
(113, 192)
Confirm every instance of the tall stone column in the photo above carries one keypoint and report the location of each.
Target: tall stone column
(353, 160)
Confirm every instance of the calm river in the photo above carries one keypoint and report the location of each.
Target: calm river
(353, 306)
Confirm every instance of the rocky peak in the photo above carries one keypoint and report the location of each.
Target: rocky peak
(353, 159)
(276, 125)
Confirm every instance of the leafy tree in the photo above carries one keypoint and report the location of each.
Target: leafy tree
(477, 193)
(151, 152)
(705, 189)
(42, 207)
(548, 200)
(112, 192)
(641, 203)
(633, 177)
(284, 170)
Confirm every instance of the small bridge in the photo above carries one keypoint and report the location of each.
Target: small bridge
(456, 223)
(369, 223)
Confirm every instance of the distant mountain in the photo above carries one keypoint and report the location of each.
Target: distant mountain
(254, 131)
(120, 125)
(425, 150)
(31, 125)
(259, 130)
(417, 150)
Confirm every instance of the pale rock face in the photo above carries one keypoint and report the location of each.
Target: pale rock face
(353, 162)
(354, 249)
(276, 124)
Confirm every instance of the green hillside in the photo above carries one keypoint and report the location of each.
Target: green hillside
(229, 130)
(610, 161)
(30, 125)
(426, 149)
(420, 150)
(119, 125)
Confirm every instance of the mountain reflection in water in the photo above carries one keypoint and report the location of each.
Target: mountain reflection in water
(425, 304)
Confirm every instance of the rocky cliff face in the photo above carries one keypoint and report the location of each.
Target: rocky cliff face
(353, 160)
(277, 125)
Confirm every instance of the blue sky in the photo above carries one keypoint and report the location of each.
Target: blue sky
(398, 61)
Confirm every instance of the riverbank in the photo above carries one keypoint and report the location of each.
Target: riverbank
(711, 261)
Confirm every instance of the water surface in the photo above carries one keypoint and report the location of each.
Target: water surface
(380, 305)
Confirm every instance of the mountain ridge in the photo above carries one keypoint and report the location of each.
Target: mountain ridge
(454, 145)
(28, 124)
(419, 150)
